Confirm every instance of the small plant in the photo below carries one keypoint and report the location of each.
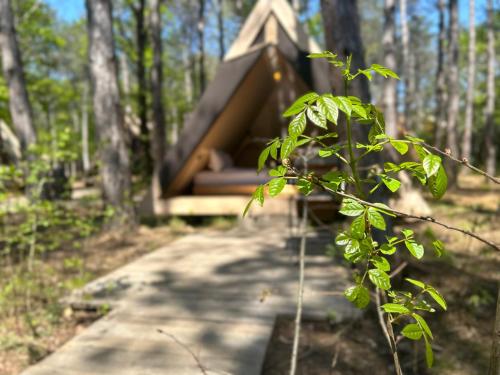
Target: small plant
(367, 242)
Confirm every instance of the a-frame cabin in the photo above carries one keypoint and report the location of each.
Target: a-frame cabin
(212, 169)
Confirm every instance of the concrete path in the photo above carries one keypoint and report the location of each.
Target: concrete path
(217, 294)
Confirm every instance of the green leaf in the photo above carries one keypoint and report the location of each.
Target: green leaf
(415, 249)
(412, 331)
(387, 249)
(383, 71)
(299, 105)
(437, 297)
(391, 183)
(395, 308)
(263, 158)
(438, 247)
(399, 146)
(416, 283)
(438, 183)
(359, 295)
(329, 108)
(287, 147)
(279, 171)
(358, 227)
(274, 149)
(350, 207)
(381, 263)
(316, 117)
(342, 239)
(429, 355)
(305, 186)
(376, 219)
(431, 164)
(360, 111)
(297, 125)
(276, 186)
(247, 207)
(408, 233)
(344, 104)
(379, 278)
(258, 195)
(423, 324)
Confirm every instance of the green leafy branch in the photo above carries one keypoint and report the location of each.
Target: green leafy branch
(367, 217)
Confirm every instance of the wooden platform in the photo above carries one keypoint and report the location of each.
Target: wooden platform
(216, 293)
(215, 205)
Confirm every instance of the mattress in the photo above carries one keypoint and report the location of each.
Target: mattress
(231, 176)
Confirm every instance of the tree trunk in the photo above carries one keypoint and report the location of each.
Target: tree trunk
(408, 66)
(85, 129)
(389, 86)
(19, 104)
(495, 348)
(490, 96)
(441, 93)
(159, 135)
(188, 78)
(453, 86)
(219, 4)
(141, 40)
(115, 164)
(471, 73)
(201, 44)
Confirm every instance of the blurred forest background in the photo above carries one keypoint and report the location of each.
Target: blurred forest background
(55, 132)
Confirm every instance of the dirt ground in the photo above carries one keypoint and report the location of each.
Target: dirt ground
(21, 346)
(467, 275)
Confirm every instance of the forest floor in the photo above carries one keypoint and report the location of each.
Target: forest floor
(22, 344)
(467, 275)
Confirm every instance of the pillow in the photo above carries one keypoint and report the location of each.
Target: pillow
(219, 160)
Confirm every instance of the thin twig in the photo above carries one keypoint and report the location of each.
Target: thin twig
(388, 333)
(300, 294)
(464, 162)
(398, 269)
(186, 348)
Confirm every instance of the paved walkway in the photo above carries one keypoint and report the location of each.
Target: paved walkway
(217, 294)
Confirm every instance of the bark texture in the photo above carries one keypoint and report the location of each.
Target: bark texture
(219, 5)
(115, 164)
(201, 45)
(142, 105)
(441, 93)
(389, 87)
(490, 96)
(471, 75)
(407, 64)
(159, 134)
(19, 104)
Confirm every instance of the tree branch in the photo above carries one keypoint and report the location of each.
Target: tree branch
(187, 349)
(429, 219)
(464, 162)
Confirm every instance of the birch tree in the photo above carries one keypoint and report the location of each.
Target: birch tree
(490, 140)
(19, 103)
(471, 75)
(114, 158)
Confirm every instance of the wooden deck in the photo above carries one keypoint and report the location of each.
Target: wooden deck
(217, 294)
